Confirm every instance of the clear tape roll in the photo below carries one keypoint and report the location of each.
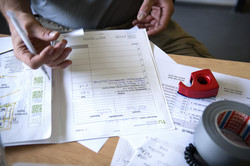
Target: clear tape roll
(222, 136)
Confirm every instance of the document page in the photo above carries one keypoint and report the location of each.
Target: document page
(5, 44)
(25, 102)
(186, 111)
(112, 87)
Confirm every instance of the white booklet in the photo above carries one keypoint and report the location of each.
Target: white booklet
(111, 89)
(25, 101)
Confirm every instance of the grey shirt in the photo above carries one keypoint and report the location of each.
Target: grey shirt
(87, 14)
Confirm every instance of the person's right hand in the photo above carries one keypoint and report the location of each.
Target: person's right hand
(40, 37)
(154, 15)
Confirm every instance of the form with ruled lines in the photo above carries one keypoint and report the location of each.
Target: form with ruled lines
(112, 87)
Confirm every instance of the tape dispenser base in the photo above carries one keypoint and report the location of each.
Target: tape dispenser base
(203, 85)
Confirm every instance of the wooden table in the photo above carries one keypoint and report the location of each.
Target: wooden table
(234, 68)
(76, 154)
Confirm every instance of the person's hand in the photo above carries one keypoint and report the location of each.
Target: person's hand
(40, 37)
(154, 15)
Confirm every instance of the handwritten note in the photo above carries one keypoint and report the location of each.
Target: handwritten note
(154, 152)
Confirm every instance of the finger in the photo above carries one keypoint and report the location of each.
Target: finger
(162, 16)
(144, 25)
(145, 9)
(148, 19)
(156, 14)
(63, 65)
(158, 25)
(154, 30)
(165, 16)
(23, 55)
(61, 58)
(58, 50)
(38, 31)
(34, 28)
(157, 28)
(166, 12)
(35, 61)
(140, 26)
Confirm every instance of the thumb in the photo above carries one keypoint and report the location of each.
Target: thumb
(145, 9)
(45, 34)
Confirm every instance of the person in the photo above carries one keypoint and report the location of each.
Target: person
(36, 15)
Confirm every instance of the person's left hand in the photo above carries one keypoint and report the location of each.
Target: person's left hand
(154, 15)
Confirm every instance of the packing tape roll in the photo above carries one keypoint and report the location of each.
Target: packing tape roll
(222, 136)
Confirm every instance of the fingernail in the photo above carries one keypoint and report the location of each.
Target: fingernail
(141, 15)
(50, 51)
(69, 50)
(70, 63)
(63, 45)
(53, 33)
(67, 64)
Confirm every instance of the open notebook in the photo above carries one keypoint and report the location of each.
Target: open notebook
(112, 88)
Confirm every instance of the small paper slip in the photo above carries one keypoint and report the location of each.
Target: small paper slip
(154, 152)
(123, 153)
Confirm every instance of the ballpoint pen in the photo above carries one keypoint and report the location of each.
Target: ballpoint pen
(25, 38)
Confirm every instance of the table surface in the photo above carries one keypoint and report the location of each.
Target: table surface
(75, 154)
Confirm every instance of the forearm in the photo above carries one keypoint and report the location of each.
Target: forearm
(19, 7)
(16, 6)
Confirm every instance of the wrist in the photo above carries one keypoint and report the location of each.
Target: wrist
(15, 6)
(18, 7)
(26, 20)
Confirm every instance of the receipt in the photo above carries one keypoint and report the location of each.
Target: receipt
(154, 152)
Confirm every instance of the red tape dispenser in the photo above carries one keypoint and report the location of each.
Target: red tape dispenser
(203, 85)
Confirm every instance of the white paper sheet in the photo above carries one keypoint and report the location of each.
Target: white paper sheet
(5, 44)
(94, 144)
(186, 111)
(154, 152)
(123, 153)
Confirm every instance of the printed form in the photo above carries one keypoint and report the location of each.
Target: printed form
(112, 87)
